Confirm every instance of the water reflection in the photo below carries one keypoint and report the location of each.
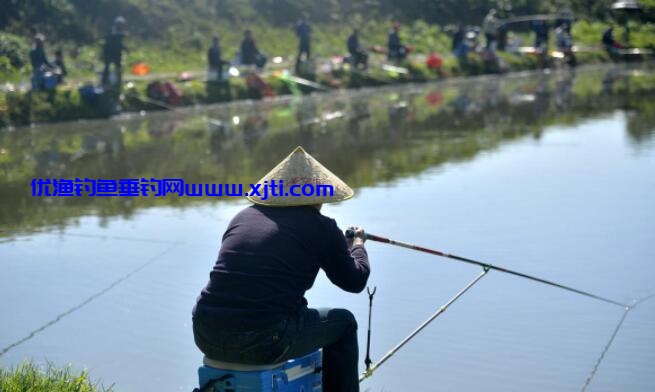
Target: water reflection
(365, 137)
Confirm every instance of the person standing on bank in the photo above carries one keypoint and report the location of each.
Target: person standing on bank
(304, 32)
(215, 60)
(112, 51)
(358, 55)
(395, 48)
(39, 62)
(253, 310)
(490, 25)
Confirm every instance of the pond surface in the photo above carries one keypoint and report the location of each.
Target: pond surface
(550, 174)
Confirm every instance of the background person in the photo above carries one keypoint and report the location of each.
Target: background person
(62, 72)
(540, 28)
(490, 25)
(303, 31)
(215, 60)
(112, 51)
(39, 61)
(610, 43)
(459, 46)
(250, 54)
(358, 54)
(395, 48)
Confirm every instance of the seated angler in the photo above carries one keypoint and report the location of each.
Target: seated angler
(250, 54)
(253, 310)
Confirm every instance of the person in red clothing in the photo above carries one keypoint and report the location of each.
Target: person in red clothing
(253, 310)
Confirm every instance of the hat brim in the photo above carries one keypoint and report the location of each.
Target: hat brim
(300, 170)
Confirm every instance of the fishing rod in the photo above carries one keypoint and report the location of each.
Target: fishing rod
(486, 267)
(530, 18)
(350, 233)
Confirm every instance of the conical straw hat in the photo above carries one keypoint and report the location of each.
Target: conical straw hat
(297, 170)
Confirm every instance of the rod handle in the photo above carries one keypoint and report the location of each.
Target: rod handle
(368, 236)
(350, 233)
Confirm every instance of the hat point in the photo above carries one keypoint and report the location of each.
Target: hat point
(300, 169)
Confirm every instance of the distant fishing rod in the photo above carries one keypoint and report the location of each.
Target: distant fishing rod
(351, 233)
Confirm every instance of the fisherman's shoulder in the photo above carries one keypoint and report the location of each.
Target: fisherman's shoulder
(328, 223)
(307, 212)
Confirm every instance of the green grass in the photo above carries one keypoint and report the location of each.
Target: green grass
(28, 377)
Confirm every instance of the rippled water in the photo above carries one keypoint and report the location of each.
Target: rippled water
(548, 174)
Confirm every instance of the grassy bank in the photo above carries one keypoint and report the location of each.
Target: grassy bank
(187, 51)
(29, 377)
(188, 54)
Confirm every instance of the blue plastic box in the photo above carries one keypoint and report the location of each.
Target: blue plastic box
(296, 375)
(49, 81)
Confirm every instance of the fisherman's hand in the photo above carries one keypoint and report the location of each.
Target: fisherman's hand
(358, 239)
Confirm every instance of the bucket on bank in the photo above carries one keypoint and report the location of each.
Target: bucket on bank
(301, 374)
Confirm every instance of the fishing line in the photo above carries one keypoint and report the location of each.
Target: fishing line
(98, 236)
(120, 238)
(607, 346)
(609, 343)
(86, 301)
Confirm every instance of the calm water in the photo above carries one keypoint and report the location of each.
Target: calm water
(548, 174)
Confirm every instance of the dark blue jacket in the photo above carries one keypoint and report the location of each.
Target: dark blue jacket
(113, 49)
(214, 56)
(268, 258)
(394, 45)
(353, 44)
(38, 58)
(303, 31)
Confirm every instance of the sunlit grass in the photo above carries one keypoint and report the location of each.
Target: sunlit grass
(28, 377)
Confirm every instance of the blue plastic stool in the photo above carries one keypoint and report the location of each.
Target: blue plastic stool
(296, 375)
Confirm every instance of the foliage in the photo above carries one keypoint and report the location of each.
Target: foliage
(13, 52)
(57, 105)
(86, 21)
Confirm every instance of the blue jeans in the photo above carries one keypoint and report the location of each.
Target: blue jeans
(335, 330)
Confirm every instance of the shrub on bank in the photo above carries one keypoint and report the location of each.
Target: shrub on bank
(13, 52)
(24, 108)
